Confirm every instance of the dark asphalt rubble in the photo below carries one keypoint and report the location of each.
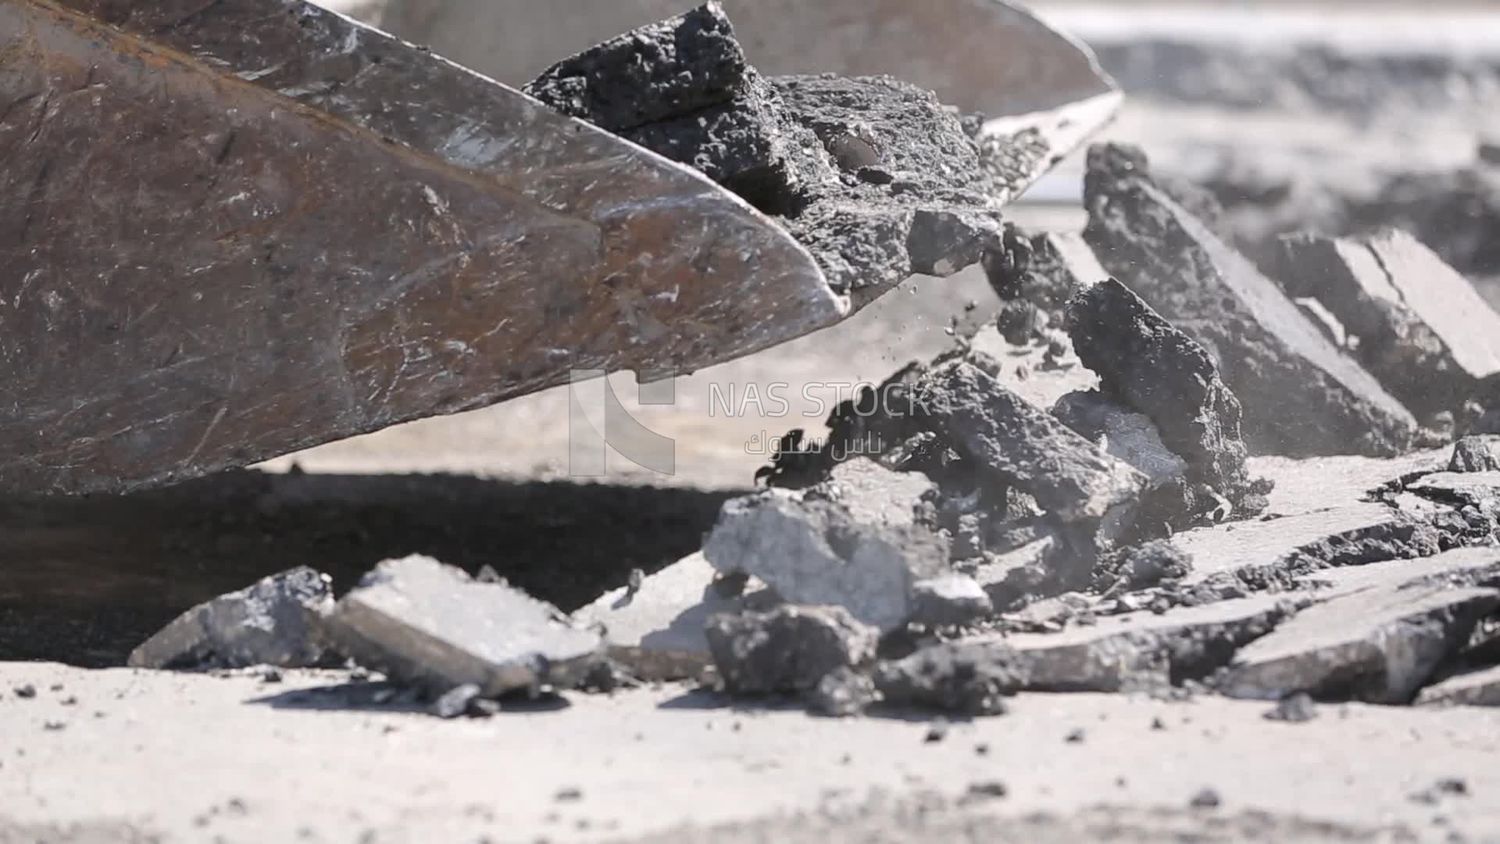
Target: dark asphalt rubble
(874, 176)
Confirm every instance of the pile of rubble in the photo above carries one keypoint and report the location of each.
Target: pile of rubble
(1076, 497)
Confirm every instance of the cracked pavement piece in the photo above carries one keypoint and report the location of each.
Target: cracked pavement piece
(1151, 367)
(787, 649)
(1472, 688)
(1423, 329)
(873, 175)
(271, 622)
(1302, 396)
(851, 541)
(1145, 650)
(1379, 643)
(657, 631)
(421, 621)
(1476, 453)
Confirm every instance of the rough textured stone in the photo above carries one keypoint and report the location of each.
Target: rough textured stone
(872, 175)
(424, 622)
(1302, 395)
(1151, 367)
(1046, 269)
(1423, 329)
(1477, 453)
(273, 622)
(657, 630)
(1378, 644)
(949, 599)
(841, 693)
(960, 677)
(1122, 433)
(787, 649)
(825, 546)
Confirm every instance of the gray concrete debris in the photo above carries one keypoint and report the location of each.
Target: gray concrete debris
(1025, 446)
(1473, 688)
(851, 542)
(1302, 396)
(657, 632)
(787, 649)
(1142, 566)
(1122, 433)
(1151, 367)
(272, 622)
(841, 693)
(427, 623)
(872, 175)
(1379, 644)
(1143, 651)
(1477, 453)
(456, 701)
(1423, 329)
(959, 677)
(949, 599)
(1298, 708)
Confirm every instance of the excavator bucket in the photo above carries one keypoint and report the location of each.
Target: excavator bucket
(233, 230)
(230, 231)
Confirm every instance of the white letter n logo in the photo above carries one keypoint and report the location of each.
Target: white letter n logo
(596, 419)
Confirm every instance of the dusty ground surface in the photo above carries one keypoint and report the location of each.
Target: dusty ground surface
(194, 757)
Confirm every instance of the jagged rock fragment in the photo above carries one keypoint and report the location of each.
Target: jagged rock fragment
(854, 545)
(1302, 396)
(1130, 436)
(872, 175)
(272, 622)
(959, 677)
(427, 623)
(1378, 644)
(949, 599)
(1298, 708)
(787, 649)
(657, 630)
(1477, 453)
(1151, 367)
(1423, 329)
(841, 693)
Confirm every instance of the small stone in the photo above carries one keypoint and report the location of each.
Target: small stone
(951, 677)
(843, 692)
(950, 599)
(25, 691)
(568, 795)
(991, 789)
(54, 726)
(1075, 736)
(788, 649)
(1205, 799)
(1293, 709)
(455, 701)
(1477, 453)
(936, 732)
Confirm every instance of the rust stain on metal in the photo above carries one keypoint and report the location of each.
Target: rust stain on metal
(232, 230)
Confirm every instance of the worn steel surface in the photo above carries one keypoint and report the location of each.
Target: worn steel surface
(233, 230)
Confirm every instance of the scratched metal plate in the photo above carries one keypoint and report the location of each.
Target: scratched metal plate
(233, 230)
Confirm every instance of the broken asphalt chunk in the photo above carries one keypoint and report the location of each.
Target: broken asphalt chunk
(958, 677)
(1151, 367)
(427, 623)
(787, 649)
(1423, 329)
(841, 693)
(1378, 642)
(872, 175)
(1476, 453)
(1302, 396)
(272, 622)
(851, 541)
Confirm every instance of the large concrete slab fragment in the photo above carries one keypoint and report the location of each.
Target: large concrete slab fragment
(1302, 395)
(424, 622)
(1379, 644)
(1422, 328)
(1471, 688)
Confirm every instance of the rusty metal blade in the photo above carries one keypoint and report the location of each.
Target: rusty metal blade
(233, 230)
(984, 56)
